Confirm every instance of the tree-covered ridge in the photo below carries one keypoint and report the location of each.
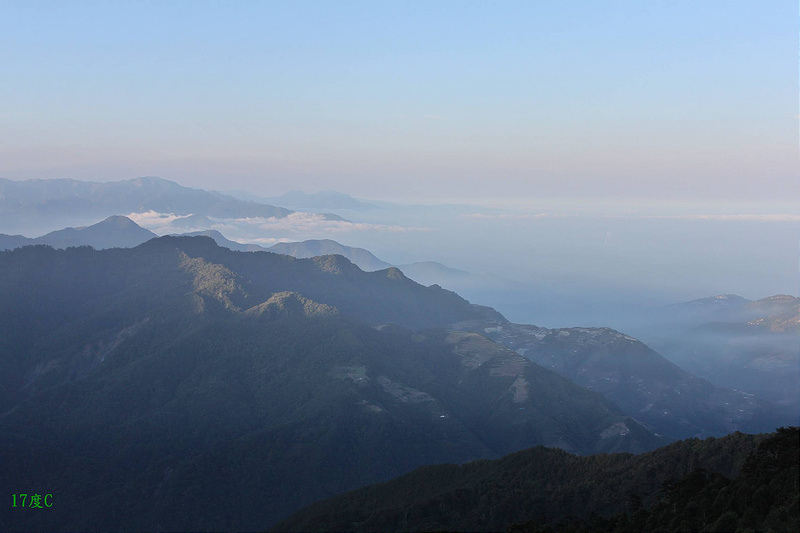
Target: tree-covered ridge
(765, 497)
(54, 303)
(739, 482)
(50, 286)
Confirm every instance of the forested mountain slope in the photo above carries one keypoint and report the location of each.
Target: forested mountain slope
(179, 385)
(738, 481)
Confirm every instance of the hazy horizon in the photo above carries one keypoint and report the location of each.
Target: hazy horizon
(683, 101)
(554, 262)
(626, 148)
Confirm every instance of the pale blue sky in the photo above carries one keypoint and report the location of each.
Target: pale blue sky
(668, 99)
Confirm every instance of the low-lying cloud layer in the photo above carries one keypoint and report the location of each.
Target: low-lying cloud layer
(742, 217)
(262, 230)
(730, 217)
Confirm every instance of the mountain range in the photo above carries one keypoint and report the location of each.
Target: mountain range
(121, 232)
(42, 205)
(778, 313)
(640, 381)
(168, 369)
(182, 385)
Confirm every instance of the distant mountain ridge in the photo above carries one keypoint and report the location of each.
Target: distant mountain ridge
(425, 272)
(640, 381)
(729, 308)
(364, 259)
(322, 200)
(28, 205)
(113, 232)
(749, 345)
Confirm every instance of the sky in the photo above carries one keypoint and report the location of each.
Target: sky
(680, 101)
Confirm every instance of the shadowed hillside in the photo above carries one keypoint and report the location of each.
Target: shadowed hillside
(739, 481)
(179, 385)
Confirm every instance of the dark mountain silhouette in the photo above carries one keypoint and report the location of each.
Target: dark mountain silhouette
(739, 482)
(424, 272)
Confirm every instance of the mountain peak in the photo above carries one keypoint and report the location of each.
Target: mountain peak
(144, 181)
(395, 273)
(334, 264)
(119, 221)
